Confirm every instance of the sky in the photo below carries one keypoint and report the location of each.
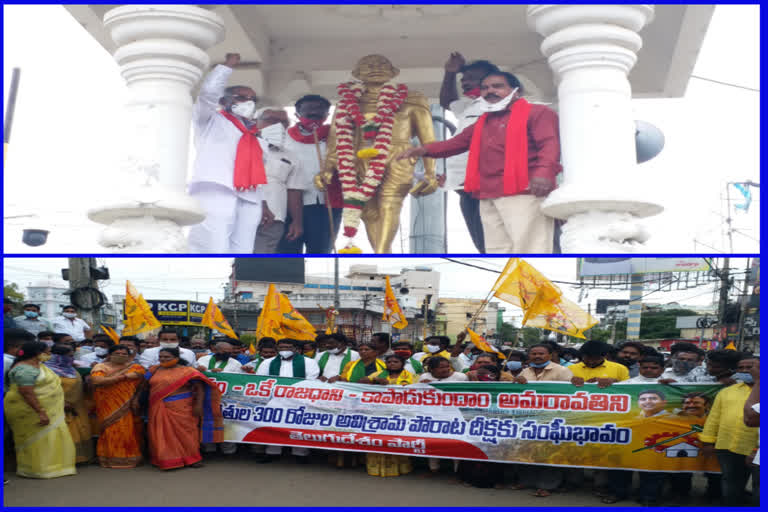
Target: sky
(72, 92)
(201, 278)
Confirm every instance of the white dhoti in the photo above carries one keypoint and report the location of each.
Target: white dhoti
(230, 224)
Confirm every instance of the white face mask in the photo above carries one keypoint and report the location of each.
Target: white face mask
(85, 349)
(499, 105)
(100, 351)
(274, 134)
(69, 315)
(286, 354)
(433, 348)
(169, 345)
(245, 109)
(336, 350)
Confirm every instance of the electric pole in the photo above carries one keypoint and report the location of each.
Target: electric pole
(80, 278)
(336, 301)
(743, 308)
(724, 275)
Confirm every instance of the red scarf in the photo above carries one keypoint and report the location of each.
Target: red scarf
(249, 162)
(334, 189)
(515, 151)
(473, 93)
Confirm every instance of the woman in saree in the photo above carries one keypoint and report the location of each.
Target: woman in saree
(115, 384)
(75, 411)
(381, 464)
(184, 411)
(34, 408)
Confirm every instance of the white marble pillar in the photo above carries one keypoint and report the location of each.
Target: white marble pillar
(161, 53)
(591, 49)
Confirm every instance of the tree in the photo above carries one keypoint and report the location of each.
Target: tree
(597, 334)
(508, 332)
(531, 336)
(11, 291)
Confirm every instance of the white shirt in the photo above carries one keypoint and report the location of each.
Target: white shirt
(467, 111)
(283, 172)
(455, 376)
(75, 327)
(216, 138)
(640, 380)
(149, 357)
(88, 359)
(33, 325)
(311, 369)
(333, 366)
(232, 366)
(7, 363)
(309, 168)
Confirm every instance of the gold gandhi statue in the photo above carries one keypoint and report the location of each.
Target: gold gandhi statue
(381, 213)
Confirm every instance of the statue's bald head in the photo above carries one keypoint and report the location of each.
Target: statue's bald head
(375, 69)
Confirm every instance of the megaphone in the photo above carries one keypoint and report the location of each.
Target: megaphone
(649, 141)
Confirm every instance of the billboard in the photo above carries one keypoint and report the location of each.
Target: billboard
(177, 312)
(269, 270)
(600, 267)
(602, 305)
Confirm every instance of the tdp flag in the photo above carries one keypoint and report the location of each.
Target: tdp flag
(730, 346)
(293, 323)
(279, 319)
(269, 319)
(138, 313)
(483, 345)
(111, 333)
(214, 318)
(392, 311)
(543, 302)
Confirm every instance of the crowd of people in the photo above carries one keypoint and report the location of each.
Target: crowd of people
(69, 402)
(256, 170)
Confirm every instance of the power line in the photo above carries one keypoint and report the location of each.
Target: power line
(726, 83)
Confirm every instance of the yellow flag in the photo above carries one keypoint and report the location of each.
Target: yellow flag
(214, 318)
(138, 313)
(293, 323)
(392, 311)
(483, 345)
(730, 346)
(543, 302)
(111, 333)
(279, 319)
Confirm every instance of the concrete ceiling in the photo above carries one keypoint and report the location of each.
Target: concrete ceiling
(296, 49)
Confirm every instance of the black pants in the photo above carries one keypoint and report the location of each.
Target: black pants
(735, 474)
(316, 236)
(681, 484)
(470, 209)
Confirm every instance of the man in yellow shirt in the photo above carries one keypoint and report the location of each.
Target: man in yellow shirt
(595, 368)
(731, 440)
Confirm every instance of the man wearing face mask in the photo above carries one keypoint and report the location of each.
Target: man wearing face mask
(335, 358)
(514, 158)
(32, 321)
(629, 354)
(221, 361)
(726, 436)
(312, 112)
(69, 323)
(199, 347)
(467, 110)
(229, 168)
(168, 339)
(541, 368)
(686, 365)
(101, 344)
(285, 183)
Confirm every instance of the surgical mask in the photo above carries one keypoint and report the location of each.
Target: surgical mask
(683, 367)
(286, 354)
(169, 364)
(48, 342)
(245, 109)
(433, 348)
(336, 351)
(69, 315)
(199, 350)
(538, 365)
(31, 314)
(500, 105)
(311, 353)
(221, 357)
(100, 351)
(514, 365)
(274, 134)
(44, 357)
(85, 349)
(168, 345)
(744, 377)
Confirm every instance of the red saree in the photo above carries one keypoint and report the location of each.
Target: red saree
(174, 432)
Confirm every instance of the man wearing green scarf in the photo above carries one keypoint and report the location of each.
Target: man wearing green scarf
(335, 358)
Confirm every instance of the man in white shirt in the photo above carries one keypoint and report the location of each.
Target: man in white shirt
(168, 339)
(228, 172)
(312, 112)
(332, 361)
(467, 110)
(288, 363)
(32, 321)
(651, 368)
(70, 324)
(221, 361)
(285, 183)
(101, 344)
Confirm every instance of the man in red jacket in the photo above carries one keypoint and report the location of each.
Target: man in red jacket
(514, 158)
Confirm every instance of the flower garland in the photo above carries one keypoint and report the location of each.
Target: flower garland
(379, 131)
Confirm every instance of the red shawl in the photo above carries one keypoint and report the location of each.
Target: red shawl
(249, 162)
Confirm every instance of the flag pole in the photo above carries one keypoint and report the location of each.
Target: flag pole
(490, 294)
(325, 190)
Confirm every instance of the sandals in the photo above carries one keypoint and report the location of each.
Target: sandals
(541, 493)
